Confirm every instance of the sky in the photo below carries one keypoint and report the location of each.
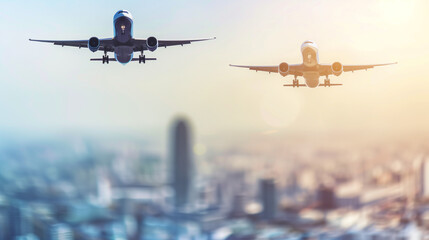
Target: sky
(49, 89)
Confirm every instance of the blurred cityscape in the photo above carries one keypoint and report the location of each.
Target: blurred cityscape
(267, 188)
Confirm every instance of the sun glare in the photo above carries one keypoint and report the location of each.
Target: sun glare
(279, 109)
(396, 11)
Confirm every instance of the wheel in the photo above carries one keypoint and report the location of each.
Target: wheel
(107, 59)
(104, 59)
(327, 83)
(142, 59)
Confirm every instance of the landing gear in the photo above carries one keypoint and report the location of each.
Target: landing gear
(142, 58)
(327, 82)
(105, 58)
(295, 82)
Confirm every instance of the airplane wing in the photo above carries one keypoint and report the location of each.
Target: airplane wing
(325, 69)
(106, 44)
(293, 69)
(351, 68)
(141, 43)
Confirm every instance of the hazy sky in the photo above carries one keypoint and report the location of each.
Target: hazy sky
(46, 88)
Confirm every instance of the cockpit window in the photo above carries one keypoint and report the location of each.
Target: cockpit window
(308, 42)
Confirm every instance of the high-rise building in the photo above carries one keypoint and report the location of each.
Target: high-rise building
(61, 231)
(424, 179)
(238, 205)
(18, 220)
(103, 189)
(181, 156)
(268, 198)
(326, 198)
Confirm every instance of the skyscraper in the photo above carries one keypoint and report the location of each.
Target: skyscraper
(19, 222)
(424, 179)
(181, 156)
(61, 231)
(268, 198)
(325, 198)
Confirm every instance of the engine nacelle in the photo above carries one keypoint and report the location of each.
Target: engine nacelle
(93, 44)
(283, 69)
(337, 68)
(152, 44)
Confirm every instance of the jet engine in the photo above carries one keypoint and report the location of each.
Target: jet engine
(152, 44)
(93, 44)
(337, 68)
(283, 69)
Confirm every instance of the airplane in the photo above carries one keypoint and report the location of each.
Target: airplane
(123, 44)
(310, 68)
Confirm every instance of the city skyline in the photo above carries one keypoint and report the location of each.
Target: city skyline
(90, 188)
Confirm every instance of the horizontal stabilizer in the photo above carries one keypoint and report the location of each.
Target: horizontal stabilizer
(332, 84)
(291, 85)
(114, 60)
(320, 85)
(100, 59)
(147, 59)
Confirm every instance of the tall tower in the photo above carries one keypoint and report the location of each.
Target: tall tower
(424, 179)
(182, 167)
(267, 188)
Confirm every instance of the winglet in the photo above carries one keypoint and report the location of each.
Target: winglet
(205, 39)
(387, 64)
(241, 66)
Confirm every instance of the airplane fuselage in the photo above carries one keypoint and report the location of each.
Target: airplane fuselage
(123, 30)
(310, 62)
